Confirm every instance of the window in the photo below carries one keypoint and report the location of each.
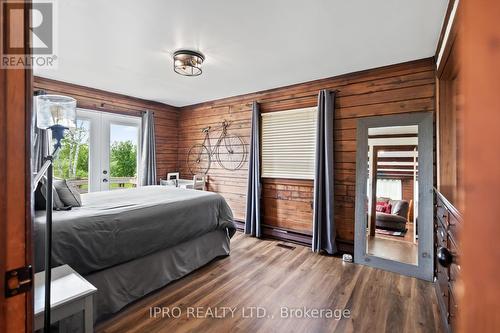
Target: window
(389, 188)
(289, 143)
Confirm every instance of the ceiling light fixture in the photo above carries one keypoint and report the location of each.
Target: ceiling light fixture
(188, 63)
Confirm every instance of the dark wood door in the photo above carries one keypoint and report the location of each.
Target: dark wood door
(15, 217)
(480, 58)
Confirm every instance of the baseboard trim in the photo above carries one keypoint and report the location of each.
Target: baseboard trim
(286, 235)
(343, 245)
(240, 225)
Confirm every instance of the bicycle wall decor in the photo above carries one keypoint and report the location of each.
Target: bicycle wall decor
(229, 151)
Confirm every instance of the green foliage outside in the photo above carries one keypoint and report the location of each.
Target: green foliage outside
(123, 159)
(72, 160)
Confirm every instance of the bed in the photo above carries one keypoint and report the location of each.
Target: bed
(130, 242)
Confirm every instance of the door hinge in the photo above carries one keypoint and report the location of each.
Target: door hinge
(18, 281)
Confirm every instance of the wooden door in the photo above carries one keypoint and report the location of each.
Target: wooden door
(480, 58)
(15, 214)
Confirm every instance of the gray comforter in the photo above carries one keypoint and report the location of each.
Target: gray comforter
(118, 226)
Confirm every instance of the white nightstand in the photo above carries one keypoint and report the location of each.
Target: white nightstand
(70, 293)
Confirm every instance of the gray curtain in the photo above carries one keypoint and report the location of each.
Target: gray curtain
(148, 154)
(252, 223)
(323, 217)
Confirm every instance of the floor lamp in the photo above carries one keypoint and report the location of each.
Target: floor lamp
(57, 114)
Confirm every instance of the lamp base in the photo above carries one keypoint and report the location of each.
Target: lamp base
(57, 135)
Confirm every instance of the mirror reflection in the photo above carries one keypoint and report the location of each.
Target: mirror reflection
(392, 193)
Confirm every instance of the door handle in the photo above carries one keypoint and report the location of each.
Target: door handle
(445, 257)
(104, 180)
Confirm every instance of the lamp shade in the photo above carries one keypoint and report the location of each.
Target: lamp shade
(55, 110)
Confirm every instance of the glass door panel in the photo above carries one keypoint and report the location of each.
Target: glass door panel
(119, 151)
(101, 153)
(123, 155)
(72, 160)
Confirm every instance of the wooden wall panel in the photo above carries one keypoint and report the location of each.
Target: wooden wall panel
(408, 195)
(450, 129)
(401, 88)
(407, 185)
(166, 116)
(288, 203)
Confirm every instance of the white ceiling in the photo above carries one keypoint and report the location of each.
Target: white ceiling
(125, 46)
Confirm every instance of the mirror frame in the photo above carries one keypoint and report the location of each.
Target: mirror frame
(425, 260)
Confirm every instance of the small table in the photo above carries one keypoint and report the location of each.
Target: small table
(183, 183)
(70, 293)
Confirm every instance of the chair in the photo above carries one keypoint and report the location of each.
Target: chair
(173, 176)
(171, 180)
(199, 182)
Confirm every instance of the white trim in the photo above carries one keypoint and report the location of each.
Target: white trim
(99, 143)
(447, 32)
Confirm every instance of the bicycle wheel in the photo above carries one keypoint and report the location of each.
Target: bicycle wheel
(198, 159)
(231, 152)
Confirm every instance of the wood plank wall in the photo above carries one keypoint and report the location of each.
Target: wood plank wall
(166, 116)
(407, 185)
(450, 128)
(401, 88)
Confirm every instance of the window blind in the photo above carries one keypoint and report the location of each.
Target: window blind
(288, 143)
(390, 188)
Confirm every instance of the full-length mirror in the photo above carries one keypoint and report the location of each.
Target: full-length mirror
(394, 193)
(392, 210)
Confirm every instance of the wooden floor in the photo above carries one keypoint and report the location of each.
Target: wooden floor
(407, 238)
(259, 273)
(401, 249)
(393, 249)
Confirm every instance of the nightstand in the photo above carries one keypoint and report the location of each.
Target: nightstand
(70, 294)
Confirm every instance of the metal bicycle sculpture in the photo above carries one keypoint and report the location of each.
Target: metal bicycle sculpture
(229, 151)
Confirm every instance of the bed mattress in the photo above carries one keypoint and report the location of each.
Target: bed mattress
(118, 226)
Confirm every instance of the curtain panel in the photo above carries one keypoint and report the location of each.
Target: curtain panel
(40, 148)
(253, 222)
(148, 154)
(324, 232)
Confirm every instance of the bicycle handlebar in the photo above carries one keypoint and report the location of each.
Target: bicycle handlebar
(224, 125)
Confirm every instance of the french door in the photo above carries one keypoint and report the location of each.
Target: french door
(102, 153)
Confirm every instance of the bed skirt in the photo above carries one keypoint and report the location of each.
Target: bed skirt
(120, 285)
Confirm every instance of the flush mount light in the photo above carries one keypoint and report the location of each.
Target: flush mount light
(188, 63)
